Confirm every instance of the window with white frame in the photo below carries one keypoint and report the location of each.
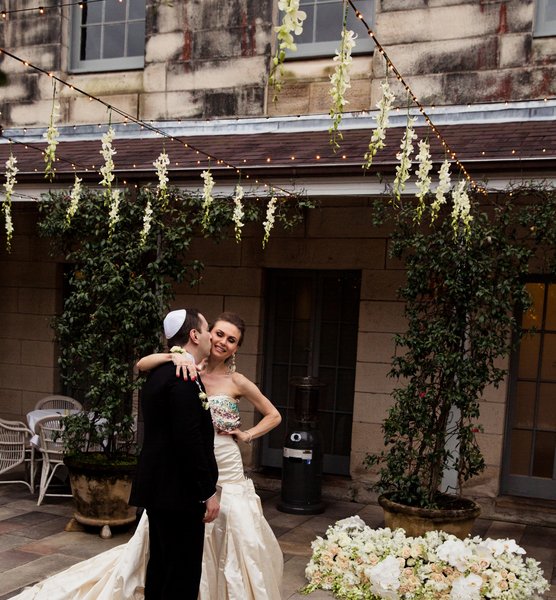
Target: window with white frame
(545, 18)
(108, 35)
(323, 25)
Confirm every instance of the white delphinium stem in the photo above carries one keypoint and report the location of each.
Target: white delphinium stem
(107, 170)
(11, 172)
(442, 189)
(378, 136)
(51, 135)
(404, 156)
(269, 219)
(292, 24)
(161, 165)
(423, 182)
(237, 216)
(114, 213)
(75, 195)
(461, 209)
(208, 184)
(340, 81)
(147, 219)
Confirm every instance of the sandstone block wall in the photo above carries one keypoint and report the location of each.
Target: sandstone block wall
(208, 59)
(29, 297)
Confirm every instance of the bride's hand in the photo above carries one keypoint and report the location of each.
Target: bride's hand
(185, 366)
(238, 434)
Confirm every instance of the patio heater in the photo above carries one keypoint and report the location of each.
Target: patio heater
(302, 454)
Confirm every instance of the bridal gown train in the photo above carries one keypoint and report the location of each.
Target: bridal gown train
(242, 559)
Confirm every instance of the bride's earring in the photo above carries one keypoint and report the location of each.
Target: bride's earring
(232, 364)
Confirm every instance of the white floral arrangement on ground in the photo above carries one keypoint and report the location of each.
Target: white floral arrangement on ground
(356, 562)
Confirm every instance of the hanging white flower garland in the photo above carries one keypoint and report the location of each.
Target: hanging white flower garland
(404, 156)
(461, 209)
(340, 81)
(442, 189)
(378, 136)
(161, 165)
(237, 216)
(51, 135)
(424, 181)
(208, 184)
(107, 172)
(107, 153)
(114, 214)
(75, 195)
(11, 172)
(292, 23)
(269, 219)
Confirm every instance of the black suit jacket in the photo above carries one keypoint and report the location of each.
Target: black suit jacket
(176, 466)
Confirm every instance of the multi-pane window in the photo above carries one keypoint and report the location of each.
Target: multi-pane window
(108, 35)
(545, 18)
(530, 465)
(322, 28)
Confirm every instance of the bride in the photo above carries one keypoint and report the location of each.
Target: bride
(242, 559)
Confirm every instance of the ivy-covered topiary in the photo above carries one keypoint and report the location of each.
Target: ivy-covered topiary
(462, 290)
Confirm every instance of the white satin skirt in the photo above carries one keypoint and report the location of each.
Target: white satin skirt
(242, 559)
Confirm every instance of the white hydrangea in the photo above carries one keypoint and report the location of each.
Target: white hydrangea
(385, 578)
(455, 553)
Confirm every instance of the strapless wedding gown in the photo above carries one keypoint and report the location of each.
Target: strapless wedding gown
(242, 559)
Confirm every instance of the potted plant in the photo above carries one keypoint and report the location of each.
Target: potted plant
(123, 254)
(118, 284)
(465, 278)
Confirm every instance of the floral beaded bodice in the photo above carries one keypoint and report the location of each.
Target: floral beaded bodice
(225, 412)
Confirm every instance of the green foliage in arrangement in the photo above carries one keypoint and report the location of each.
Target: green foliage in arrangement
(461, 295)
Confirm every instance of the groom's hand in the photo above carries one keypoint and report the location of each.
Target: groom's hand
(212, 509)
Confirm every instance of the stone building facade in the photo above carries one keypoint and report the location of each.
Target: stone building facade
(487, 63)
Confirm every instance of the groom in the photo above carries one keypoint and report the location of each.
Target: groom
(177, 473)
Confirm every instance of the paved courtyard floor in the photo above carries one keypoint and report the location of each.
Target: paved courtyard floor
(34, 545)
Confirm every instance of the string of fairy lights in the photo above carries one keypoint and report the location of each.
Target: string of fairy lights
(41, 10)
(240, 170)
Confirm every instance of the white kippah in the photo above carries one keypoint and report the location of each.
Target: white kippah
(173, 321)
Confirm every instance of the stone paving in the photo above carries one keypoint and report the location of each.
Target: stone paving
(34, 545)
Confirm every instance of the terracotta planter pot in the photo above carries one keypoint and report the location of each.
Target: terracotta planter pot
(101, 494)
(417, 521)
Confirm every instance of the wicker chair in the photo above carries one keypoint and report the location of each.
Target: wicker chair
(16, 450)
(57, 401)
(49, 430)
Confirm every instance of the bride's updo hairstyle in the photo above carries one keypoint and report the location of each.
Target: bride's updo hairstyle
(234, 319)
